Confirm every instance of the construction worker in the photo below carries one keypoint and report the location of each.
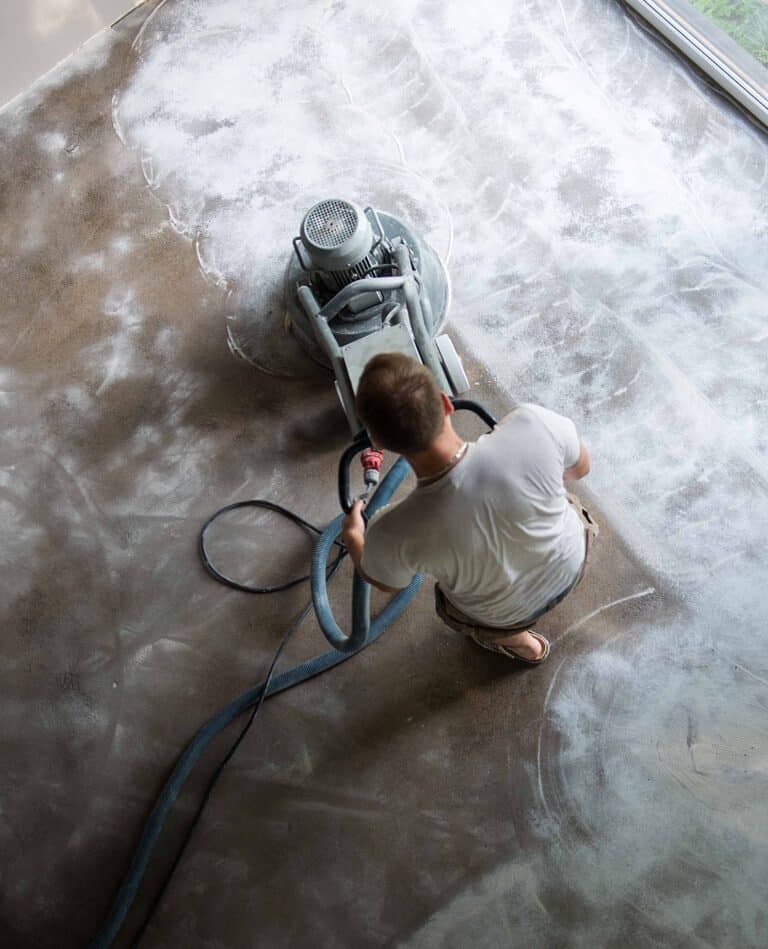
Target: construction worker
(490, 520)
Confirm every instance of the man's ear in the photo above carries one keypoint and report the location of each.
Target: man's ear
(447, 404)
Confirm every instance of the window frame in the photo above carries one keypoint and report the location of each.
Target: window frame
(712, 50)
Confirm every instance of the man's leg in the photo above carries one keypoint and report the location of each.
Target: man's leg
(527, 644)
(522, 642)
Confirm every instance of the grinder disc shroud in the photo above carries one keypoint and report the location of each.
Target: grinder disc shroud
(361, 281)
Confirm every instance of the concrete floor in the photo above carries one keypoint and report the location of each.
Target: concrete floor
(603, 217)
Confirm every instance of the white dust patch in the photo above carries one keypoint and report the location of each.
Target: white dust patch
(239, 157)
(52, 142)
(117, 354)
(663, 767)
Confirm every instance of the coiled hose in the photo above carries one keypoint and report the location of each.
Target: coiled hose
(364, 633)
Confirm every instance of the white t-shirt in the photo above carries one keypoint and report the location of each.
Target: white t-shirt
(496, 531)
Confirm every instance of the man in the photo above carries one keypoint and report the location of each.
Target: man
(490, 520)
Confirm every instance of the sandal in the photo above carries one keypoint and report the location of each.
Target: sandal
(511, 654)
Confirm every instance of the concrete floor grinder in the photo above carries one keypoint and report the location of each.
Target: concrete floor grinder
(361, 282)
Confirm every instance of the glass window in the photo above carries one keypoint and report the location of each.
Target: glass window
(744, 20)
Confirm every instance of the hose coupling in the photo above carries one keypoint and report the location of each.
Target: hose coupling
(371, 459)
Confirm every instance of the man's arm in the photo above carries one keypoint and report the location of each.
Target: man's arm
(353, 535)
(581, 467)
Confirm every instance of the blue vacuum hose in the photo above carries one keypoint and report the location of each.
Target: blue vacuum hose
(363, 631)
(363, 634)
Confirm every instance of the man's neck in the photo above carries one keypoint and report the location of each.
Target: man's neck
(433, 460)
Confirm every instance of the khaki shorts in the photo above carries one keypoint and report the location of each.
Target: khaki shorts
(456, 620)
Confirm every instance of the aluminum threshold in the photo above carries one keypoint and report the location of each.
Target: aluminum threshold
(719, 56)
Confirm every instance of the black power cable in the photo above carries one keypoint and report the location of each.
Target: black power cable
(235, 585)
(268, 506)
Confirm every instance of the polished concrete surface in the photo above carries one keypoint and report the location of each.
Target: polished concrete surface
(602, 214)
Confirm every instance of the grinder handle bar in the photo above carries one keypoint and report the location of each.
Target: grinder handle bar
(362, 441)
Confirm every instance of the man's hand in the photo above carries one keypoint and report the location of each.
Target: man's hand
(353, 535)
(353, 525)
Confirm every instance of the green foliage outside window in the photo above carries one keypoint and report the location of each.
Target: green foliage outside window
(745, 20)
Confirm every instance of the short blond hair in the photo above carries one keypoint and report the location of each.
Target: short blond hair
(399, 403)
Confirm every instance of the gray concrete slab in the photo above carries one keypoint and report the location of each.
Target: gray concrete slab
(603, 217)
